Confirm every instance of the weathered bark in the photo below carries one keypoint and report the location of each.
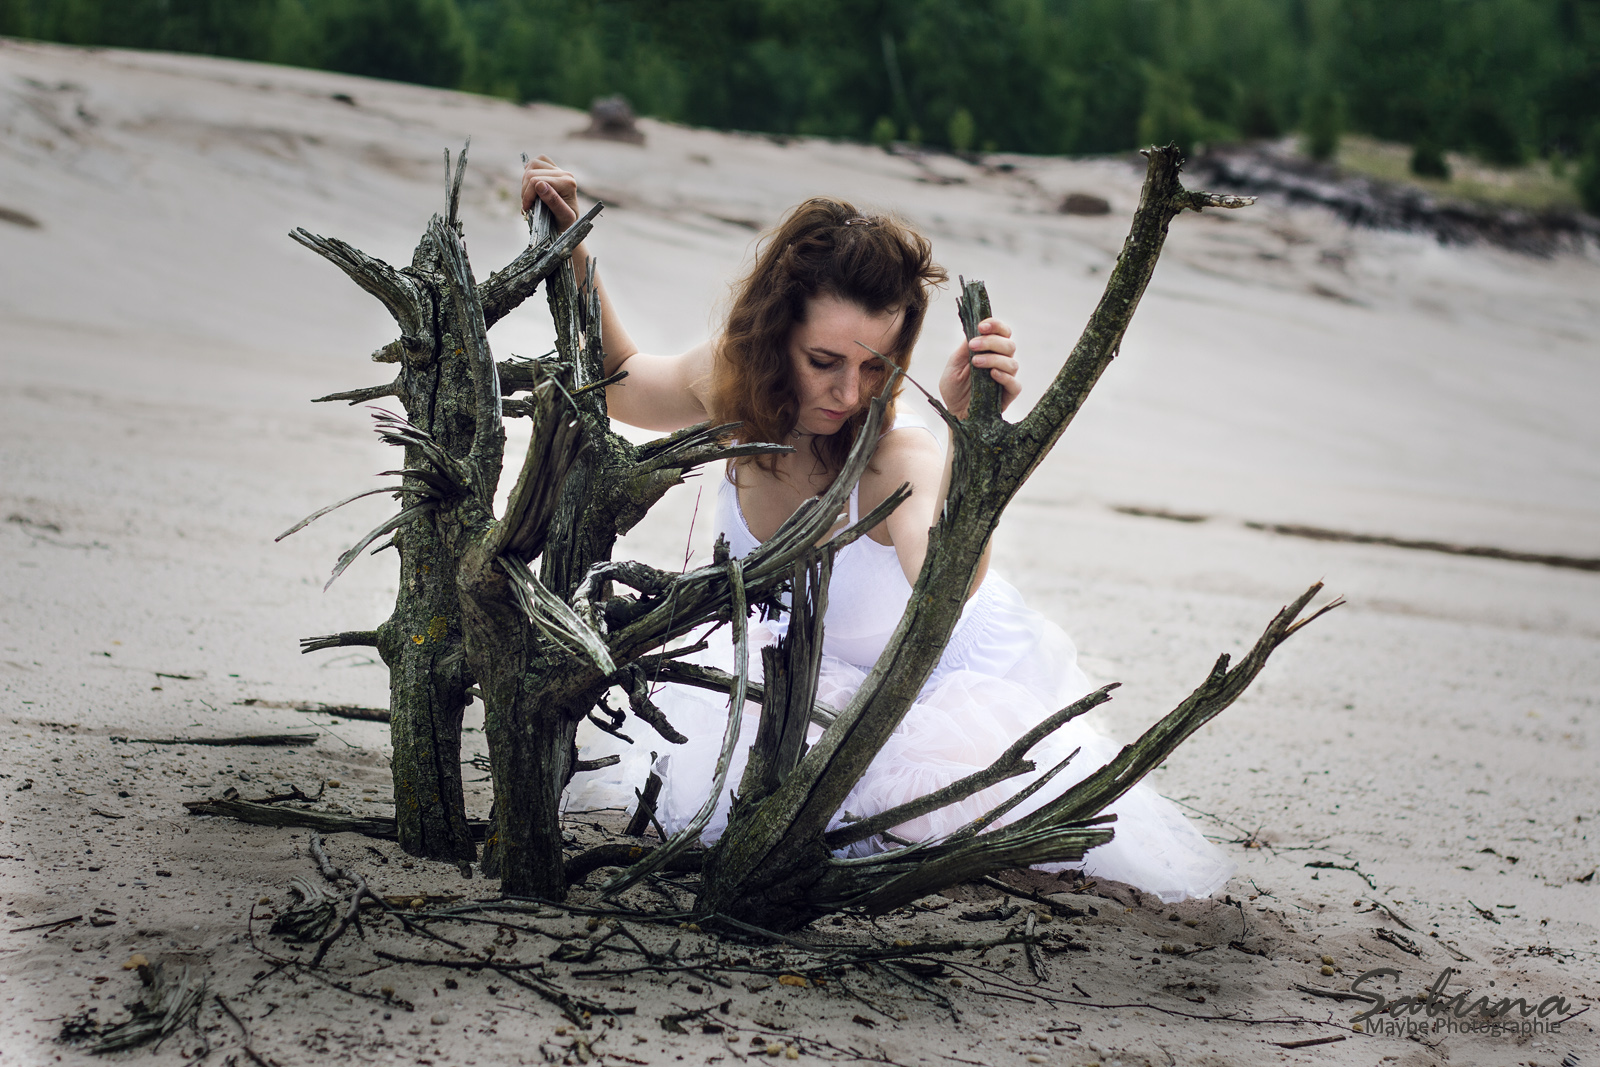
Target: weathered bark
(422, 642)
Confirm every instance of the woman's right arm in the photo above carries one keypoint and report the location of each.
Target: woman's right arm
(660, 392)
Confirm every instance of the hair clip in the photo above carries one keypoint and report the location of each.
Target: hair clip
(859, 220)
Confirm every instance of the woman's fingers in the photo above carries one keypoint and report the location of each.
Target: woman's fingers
(1009, 387)
(994, 350)
(560, 210)
(996, 364)
(543, 181)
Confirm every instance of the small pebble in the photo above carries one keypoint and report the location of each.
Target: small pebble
(439, 1019)
(334, 783)
(1327, 972)
(791, 1053)
(774, 1049)
(1327, 961)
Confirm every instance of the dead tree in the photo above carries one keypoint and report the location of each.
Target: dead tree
(543, 647)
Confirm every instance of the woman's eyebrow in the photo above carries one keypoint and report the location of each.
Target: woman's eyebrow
(820, 351)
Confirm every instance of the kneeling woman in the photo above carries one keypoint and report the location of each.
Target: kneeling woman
(794, 364)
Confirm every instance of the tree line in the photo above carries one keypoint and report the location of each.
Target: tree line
(1506, 80)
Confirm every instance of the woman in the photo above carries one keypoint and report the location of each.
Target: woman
(795, 364)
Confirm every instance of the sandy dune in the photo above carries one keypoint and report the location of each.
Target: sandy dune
(159, 336)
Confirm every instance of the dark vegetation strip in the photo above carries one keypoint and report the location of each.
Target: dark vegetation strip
(1504, 79)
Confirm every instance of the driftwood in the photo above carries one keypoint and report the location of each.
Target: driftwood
(325, 821)
(1378, 204)
(256, 740)
(527, 608)
(168, 1002)
(341, 711)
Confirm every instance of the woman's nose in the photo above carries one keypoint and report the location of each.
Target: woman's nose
(848, 390)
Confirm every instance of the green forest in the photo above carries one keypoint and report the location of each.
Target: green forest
(1505, 80)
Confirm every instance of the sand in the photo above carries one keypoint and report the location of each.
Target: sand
(159, 336)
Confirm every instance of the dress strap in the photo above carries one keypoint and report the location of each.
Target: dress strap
(910, 420)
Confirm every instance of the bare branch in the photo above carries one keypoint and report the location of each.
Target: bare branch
(645, 812)
(394, 522)
(505, 289)
(973, 308)
(394, 430)
(392, 288)
(689, 836)
(685, 458)
(973, 828)
(791, 671)
(639, 700)
(436, 483)
(346, 639)
(1102, 788)
(315, 515)
(554, 618)
(392, 352)
(357, 396)
(452, 189)
(553, 447)
(710, 678)
(1162, 198)
(699, 444)
(489, 435)
(1010, 764)
(1194, 201)
(935, 868)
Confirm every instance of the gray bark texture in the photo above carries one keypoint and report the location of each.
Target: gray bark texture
(528, 607)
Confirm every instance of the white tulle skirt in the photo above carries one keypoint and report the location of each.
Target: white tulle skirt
(1006, 669)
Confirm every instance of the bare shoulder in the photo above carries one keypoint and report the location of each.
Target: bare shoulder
(905, 453)
(909, 454)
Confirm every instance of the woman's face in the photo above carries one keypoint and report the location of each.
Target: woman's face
(834, 375)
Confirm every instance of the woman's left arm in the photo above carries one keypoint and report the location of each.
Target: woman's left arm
(908, 456)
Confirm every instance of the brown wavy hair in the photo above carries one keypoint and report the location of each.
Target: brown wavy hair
(825, 247)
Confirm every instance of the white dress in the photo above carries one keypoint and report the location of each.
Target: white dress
(1005, 669)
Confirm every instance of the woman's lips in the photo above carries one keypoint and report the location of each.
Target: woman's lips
(836, 416)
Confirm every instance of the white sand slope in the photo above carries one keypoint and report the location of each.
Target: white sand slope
(159, 336)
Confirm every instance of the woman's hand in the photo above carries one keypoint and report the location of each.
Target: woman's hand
(543, 181)
(994, 349)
